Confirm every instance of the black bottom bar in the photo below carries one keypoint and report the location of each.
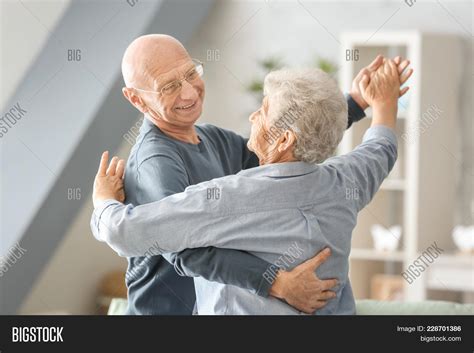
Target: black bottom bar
(329, 333)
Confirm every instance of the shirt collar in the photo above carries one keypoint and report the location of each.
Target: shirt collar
(150, 125)
(276, 170)
(147, 125)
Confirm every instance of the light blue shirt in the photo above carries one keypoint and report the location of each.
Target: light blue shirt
(283, 213)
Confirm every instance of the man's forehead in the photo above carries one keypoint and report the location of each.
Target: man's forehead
(172, 70)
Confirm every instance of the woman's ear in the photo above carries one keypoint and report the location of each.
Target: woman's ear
(134, 99)
(287, 141)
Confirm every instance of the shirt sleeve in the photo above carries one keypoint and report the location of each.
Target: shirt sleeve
(250, 159)
(365, 168)
(355, 112)
(192, 219)
(235, 267)
(181, 221)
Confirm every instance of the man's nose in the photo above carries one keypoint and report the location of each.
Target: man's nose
(188, 91)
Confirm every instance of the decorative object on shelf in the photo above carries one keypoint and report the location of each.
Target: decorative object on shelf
(464, 238)
(386, 239)
(386, 287)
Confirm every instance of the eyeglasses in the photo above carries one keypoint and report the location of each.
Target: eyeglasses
(175, 86)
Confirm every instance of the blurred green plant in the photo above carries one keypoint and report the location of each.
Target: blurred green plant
(266, 65)
(326, 65)
(272, 63)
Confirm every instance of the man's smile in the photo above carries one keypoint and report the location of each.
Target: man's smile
(187, 107)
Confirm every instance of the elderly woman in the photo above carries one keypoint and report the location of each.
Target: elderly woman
(293, 205)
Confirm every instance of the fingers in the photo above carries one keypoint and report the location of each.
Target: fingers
(327, 284)
(113, 166)
(318, 305)
(403, 65)
(386, 67)
(120, 169)
(363, 83)
(393, 68)
(374, 65)
(326, 295)
(363, 72)
(317, 301)
(389, 68)
(310, 309)
(307, 310)
(116, 167)
(317, 260)
(103, 164)
(397, 60)
(405, 76)
(404, 90)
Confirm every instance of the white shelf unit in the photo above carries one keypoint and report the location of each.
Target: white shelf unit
(452, 271)
(419, 193)
(372, 254)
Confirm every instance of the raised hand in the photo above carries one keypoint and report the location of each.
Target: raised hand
(403, 73)
(383, 85)
(108, 183)
(381, 92)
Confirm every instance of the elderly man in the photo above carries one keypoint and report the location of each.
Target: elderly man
(289, 201)
(171, 153)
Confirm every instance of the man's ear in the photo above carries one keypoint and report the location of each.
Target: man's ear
(287, 141)
(135, 100)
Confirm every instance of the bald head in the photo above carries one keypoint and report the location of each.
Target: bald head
(149, 56)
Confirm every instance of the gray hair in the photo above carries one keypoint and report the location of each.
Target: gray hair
(309, 102)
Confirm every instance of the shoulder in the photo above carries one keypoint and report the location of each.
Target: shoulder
(217, 132)
(224, 141)
(155, 146)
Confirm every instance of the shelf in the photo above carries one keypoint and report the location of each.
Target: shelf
(381, 39)
(456, 259)
(393, 184)
(453, 272)
(402, 113)
(406, 196)
(402, 117)
(375, 255)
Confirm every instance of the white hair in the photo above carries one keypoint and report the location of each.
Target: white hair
(309, 102)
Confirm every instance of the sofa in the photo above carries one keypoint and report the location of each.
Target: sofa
(369, 307)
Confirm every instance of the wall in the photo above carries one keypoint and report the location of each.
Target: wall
(24, 26)
(68, 283)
